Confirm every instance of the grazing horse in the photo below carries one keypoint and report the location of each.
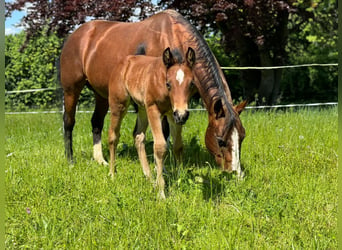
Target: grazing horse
(92, 51)
(158, 86)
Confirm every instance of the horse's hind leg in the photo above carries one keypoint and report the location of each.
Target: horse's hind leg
(139, 141)
(117, 112)
(70, 101)
(97, 120)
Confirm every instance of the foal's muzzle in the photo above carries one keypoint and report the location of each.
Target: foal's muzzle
(181, 117)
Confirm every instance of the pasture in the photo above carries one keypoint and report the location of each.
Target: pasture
(288, 198)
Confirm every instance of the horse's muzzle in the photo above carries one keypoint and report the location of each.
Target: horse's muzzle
(181, 117)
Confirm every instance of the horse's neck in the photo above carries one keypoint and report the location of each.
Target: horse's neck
(210, 74)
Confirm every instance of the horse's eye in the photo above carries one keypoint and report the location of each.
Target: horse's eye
(168, 85)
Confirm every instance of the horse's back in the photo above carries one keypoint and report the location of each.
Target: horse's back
(77, 54)
(96, 47)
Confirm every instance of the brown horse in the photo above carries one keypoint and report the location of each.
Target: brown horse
(158, 86)
(96, 48)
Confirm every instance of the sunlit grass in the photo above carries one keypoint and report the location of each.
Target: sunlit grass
(288, 198)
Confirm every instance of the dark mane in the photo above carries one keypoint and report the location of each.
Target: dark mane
(178, 56)
(212, 80)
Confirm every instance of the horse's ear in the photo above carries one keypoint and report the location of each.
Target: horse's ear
(240, 107)
(190, 57)
(218, 109)
(168, 58)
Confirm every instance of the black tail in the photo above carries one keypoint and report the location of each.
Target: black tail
(59, 90)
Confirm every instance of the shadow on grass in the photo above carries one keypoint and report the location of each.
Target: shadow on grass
(198, 167)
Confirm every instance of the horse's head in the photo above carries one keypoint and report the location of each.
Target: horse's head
(225, 134)
(179, 82)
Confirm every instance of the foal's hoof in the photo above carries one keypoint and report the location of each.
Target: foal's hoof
(161, 195)
(111, 175)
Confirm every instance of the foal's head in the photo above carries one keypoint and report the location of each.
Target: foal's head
(179, 82)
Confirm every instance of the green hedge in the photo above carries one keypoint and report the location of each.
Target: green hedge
(35, 67)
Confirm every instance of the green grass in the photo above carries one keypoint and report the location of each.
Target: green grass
(287, 200)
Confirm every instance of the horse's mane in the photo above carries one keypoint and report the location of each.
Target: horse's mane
(212, 80)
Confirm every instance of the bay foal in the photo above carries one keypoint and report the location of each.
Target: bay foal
(159, 86)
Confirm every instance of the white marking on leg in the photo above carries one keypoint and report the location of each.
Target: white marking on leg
(97, 154)
(235, 152)
(140, 146)
(180, 76)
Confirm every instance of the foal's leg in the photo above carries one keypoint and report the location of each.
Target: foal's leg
(101, 108)
(176, 133)
(159, 146)
(117, 112)
(139, 140)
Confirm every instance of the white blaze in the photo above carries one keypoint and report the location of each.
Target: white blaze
(235, 153)
(180, 76)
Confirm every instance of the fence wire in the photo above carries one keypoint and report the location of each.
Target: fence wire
(199, 109)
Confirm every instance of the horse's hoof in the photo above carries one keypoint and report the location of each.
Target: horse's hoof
(104, 163)
(101, 162)
(241, 176)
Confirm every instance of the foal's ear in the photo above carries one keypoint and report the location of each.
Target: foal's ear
(168, 58)
(190, 57)
(240, 107)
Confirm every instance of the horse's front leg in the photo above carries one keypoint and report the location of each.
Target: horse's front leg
(97, 120)
(176, 133)
(159, 146)
(139, 141)
(117, 112)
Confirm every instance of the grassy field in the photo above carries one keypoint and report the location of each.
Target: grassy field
(288, 198)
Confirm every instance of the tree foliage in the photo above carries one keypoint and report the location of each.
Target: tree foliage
(258, 31)
(312, 40)
(62, 16)
(33, 68)
(240, 33)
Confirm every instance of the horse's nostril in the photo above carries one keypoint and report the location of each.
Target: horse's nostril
(221, 142)
(181, 118)
(186, 115)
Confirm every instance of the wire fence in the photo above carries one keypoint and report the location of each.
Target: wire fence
(316, 104)
(323, 104)
(284, 67)
(224, 68)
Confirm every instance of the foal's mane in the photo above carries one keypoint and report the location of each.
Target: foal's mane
(212, 80)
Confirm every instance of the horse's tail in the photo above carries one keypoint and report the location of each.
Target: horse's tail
(59, 89)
